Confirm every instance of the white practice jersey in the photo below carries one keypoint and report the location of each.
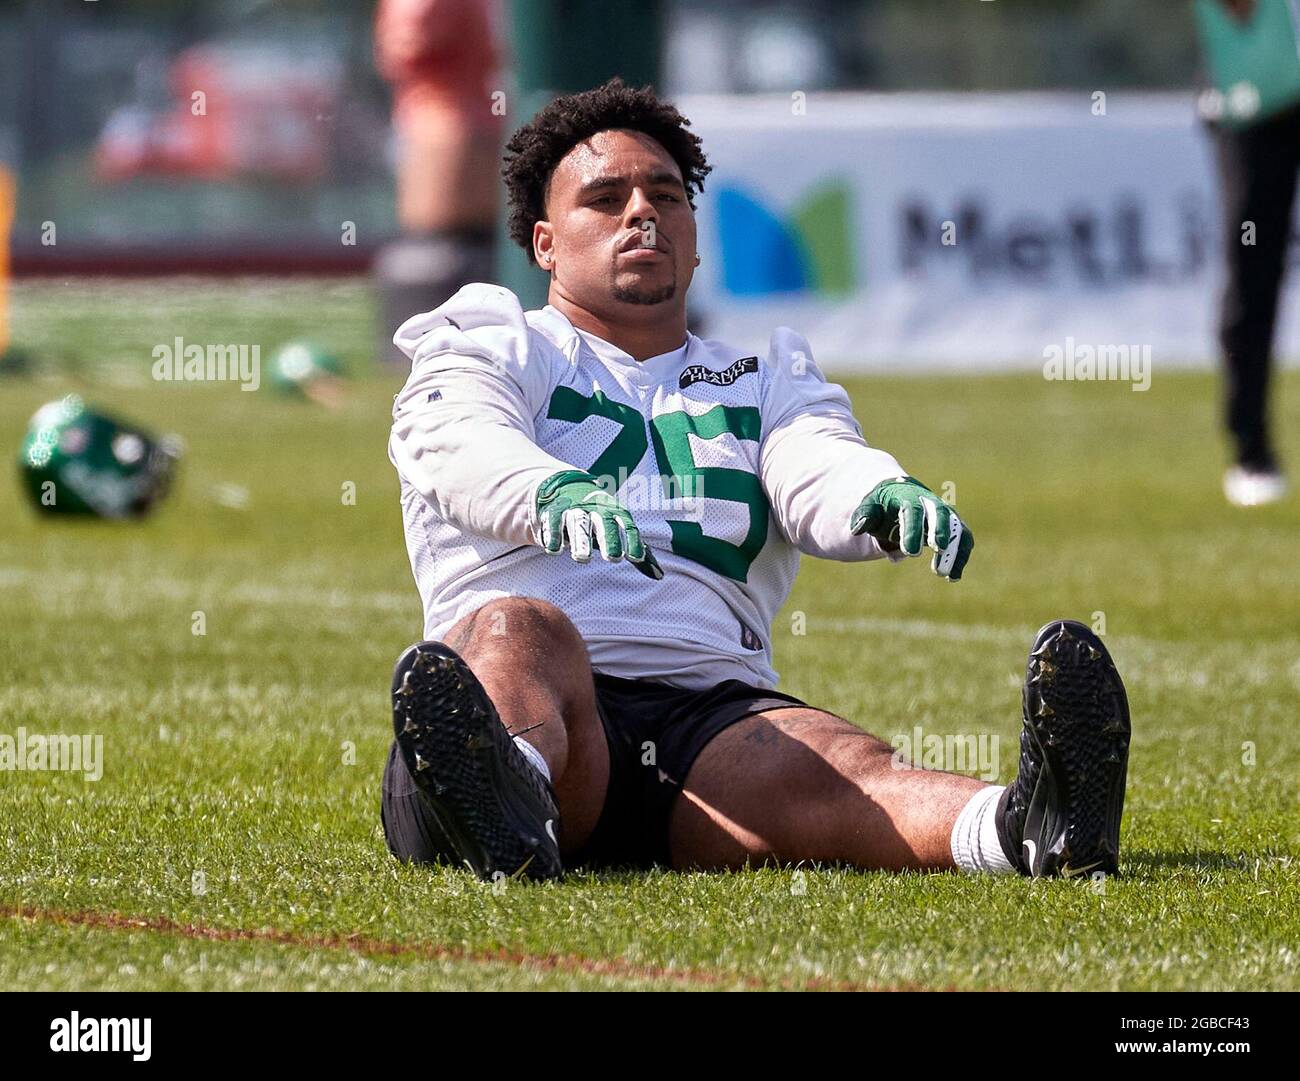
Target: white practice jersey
(730, 464)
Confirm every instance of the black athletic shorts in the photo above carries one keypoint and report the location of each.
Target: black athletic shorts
(655, 732)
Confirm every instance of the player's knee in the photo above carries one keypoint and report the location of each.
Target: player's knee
(528, 619)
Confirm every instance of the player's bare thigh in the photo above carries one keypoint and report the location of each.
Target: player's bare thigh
(797, 784)
(534, 666)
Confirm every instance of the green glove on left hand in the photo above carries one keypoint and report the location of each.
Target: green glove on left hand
(574, 510)
(900, 512)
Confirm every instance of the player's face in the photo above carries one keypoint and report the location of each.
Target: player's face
(620, 228)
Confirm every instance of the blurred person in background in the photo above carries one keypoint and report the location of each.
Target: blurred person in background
(442, 58)
(1252, 49)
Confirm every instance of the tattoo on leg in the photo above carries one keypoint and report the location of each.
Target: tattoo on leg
(763, 734)
(463, 632)
(786, 723)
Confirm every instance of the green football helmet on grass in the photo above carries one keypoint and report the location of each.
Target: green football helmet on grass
(77, 461)
(297, 365)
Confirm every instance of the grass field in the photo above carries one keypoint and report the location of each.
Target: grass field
(234, 840)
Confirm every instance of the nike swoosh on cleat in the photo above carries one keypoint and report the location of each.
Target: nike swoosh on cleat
(1033, 851)
(1072, 872)
(550, 828)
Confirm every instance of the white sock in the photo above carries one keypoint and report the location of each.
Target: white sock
(975, 844)
(534, 756)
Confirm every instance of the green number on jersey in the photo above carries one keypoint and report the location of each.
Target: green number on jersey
(671, 432)
(628, 447)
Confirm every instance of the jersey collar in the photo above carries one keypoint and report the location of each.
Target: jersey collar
(646, 372)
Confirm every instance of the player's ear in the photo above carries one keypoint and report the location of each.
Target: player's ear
(544, 245)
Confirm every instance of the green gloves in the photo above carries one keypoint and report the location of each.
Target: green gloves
(572, 507)
(900, 511)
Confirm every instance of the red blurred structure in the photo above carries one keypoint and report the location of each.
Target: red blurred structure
(237, 114)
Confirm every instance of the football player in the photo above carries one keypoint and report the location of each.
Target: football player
(604, 512)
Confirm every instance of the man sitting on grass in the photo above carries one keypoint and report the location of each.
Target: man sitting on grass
(621, 712)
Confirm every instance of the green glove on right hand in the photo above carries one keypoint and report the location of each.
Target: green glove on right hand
(572, 508)
(900, 512)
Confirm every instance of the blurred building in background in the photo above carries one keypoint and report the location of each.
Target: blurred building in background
(910, 182)
(196, 136)
(244, 132)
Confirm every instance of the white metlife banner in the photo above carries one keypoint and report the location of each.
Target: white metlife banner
(922, 232)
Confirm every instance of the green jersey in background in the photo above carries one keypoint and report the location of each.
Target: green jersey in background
(1255, 65)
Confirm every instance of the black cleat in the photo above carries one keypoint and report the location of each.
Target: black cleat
(496, 810)
(1061, 814)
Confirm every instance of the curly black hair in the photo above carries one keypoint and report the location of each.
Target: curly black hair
(536, 149)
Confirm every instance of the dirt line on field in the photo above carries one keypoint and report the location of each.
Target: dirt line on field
(434, 951)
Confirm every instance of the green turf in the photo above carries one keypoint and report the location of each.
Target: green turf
(231, 798)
